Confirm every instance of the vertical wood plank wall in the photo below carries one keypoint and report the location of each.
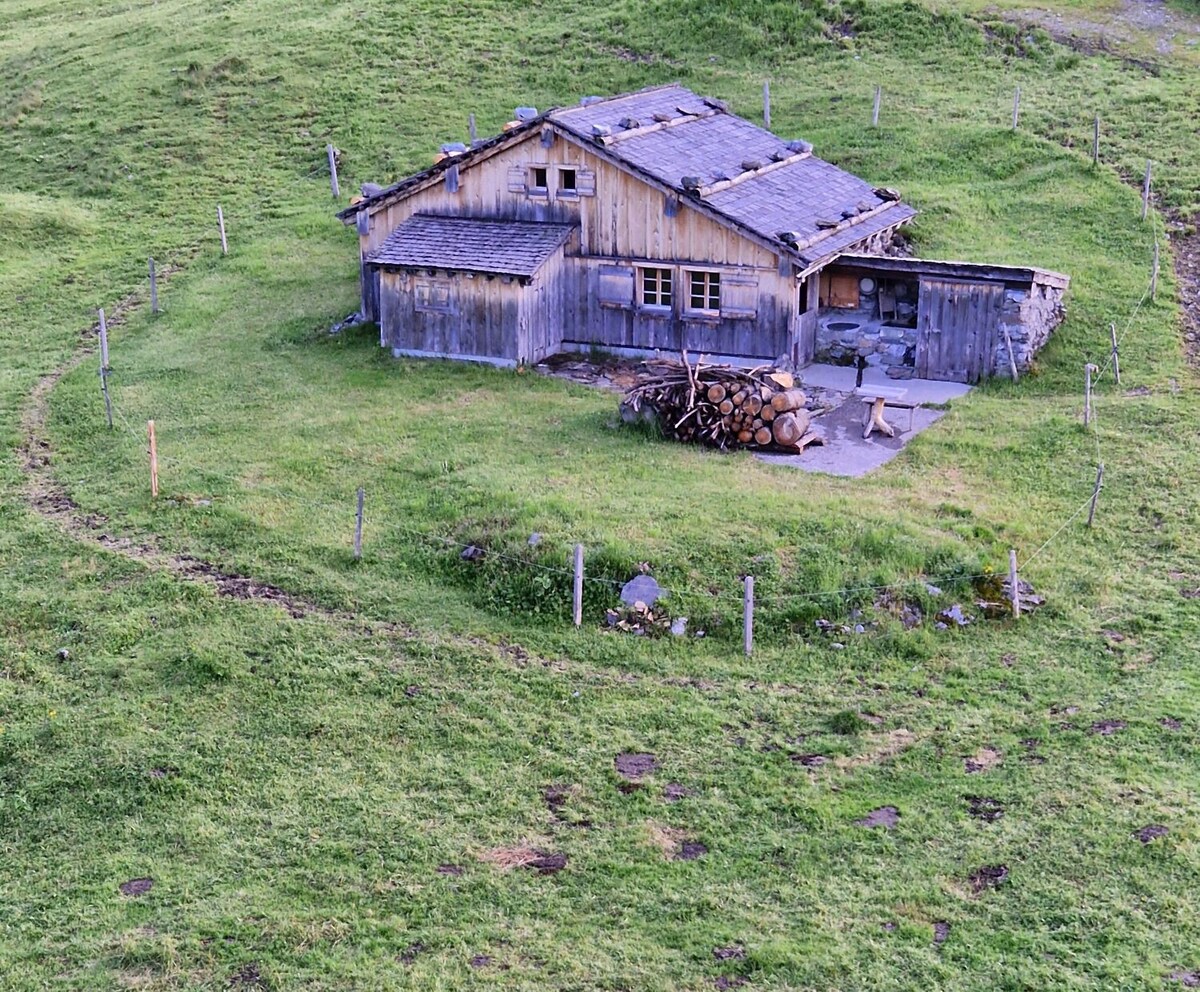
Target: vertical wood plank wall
(624, 221)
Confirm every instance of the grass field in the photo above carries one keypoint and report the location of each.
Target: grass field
(316, 798)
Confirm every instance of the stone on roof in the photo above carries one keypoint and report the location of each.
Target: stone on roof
(464, 244)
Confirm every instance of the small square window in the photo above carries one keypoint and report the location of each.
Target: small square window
(704, 291)
(567, 181)
(433, 297)
(656, 288)
(538, 177)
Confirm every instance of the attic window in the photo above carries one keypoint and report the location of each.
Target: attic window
(567, 182)
(537, 179)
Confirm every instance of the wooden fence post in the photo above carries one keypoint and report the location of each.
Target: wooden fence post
(577, 588)
(1088, 369)
(1016, 107)
(358, 524)
(1012, 581)
(333, 180)
(1096, 141)
(875, 108)
(1012, 358)
(104, 368)
(153, 288)
(1154, 275)
(1116, 357)
(1096, 493)
(153, 458)
(748, 616)
(471, 128)
(767, 104)
(1146, 192)
(221, 225)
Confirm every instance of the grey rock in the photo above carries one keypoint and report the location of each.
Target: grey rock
(837, 645)
(859, 628)
(679, 626)
(63, 654)
(472, 553)
(535, 539)
(641, 588)
(932, 589)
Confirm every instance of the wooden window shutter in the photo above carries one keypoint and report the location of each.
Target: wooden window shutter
(452, 179)
(616, 286)
(739, 294)
(516, 179)
(362, 221)
(585, 182)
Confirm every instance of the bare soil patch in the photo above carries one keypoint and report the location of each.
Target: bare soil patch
(454, 870)
(673, 792)
(941, 931)
(1106, 728)
(1151, 832)
(136, 886)
(988, 877)
(409, 954)
(809, 760)
(982, 760)
(984, 808)
(729, 981)
(1170, 723)
(734, 953)
(635, 767)
(885, 816)
(533, 858)
(248, 975)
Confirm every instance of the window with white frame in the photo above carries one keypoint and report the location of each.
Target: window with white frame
(656, 288)
(539, 179)
(704, 292)
(568, 182)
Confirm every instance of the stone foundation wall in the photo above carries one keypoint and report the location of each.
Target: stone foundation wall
(1029, 316)
(880, 344)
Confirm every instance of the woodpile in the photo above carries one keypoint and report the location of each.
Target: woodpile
(722, 406)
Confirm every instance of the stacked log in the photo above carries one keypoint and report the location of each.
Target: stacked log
(722, 406)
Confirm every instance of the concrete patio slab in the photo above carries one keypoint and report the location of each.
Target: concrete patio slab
(846, 452)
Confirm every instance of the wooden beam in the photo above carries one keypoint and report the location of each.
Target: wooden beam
(636, 132)
(704, 191)
(848, 223)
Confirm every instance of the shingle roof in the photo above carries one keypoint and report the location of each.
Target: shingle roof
(793, 193)
(516, 248)
(714, 146)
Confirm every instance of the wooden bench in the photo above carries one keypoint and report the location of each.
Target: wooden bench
(878, 397)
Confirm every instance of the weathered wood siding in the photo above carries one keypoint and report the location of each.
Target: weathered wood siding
(480, 316)
(623, 222)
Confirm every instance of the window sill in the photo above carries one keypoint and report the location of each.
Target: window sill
(647, 310)
(702, 316)
(539, 194)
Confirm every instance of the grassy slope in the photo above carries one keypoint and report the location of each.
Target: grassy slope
(314, 796)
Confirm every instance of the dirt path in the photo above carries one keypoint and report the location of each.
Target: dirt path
(1185, 250)
(47, 497)
(1165, 28)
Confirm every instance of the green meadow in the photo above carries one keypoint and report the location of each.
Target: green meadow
(329, 796)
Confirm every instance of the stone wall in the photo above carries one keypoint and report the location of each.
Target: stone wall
(1029, 316)
(879, 343)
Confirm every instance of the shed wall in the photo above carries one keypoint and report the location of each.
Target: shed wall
(481, 316)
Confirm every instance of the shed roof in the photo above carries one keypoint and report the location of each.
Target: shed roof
(502, 247)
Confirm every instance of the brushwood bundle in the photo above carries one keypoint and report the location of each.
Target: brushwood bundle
(722, 406)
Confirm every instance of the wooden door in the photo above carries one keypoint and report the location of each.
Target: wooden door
(956, 329)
